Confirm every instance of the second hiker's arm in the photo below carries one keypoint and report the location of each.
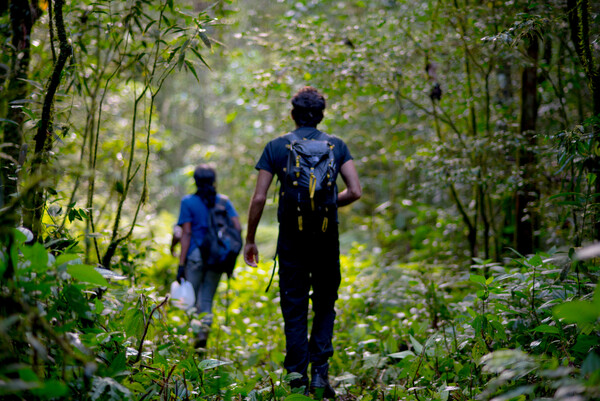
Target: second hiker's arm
(257, 205)
(186, 237)
(353, 189)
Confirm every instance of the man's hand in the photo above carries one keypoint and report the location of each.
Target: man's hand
(180, 273)
(251, 254)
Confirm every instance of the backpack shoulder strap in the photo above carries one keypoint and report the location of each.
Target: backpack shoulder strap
(294, 136)
(221, 200)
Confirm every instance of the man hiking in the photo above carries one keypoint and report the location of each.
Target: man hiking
(306, 162)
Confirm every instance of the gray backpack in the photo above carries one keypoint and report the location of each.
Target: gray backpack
(309, 188)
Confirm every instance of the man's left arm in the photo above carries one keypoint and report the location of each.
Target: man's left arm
(353, 189)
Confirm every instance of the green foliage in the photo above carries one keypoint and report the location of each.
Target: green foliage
(434, 304)
(525, 327)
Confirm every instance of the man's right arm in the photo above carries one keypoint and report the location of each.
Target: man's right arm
(353, 189)
(257, 205)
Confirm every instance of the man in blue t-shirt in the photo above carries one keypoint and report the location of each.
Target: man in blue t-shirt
(193, 219)
(309, 256)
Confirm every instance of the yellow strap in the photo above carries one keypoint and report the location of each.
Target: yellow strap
(312, 185)
(299, 223)
(325, 220)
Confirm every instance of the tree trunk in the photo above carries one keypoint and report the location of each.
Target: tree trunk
(528, 194)
(578, 14)
(23, 15)
(35, 203)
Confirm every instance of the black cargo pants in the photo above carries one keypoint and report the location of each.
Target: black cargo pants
(308, 259)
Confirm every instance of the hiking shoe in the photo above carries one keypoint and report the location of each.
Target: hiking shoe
(320, 382)
(300, 385)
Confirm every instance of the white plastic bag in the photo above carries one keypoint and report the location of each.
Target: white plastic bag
(182, 295)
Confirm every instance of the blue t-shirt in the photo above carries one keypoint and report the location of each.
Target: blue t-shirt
(275, 155)
(193, 210)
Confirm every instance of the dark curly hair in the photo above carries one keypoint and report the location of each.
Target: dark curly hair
(308, 105)
(205, 177)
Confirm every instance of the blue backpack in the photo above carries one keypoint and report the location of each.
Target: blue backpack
(223, 242)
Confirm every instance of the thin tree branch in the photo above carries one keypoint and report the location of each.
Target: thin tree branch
(141, 346)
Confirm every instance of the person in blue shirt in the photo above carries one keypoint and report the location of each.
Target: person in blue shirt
(193, 219)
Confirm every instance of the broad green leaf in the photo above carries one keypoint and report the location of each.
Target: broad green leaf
(591, 364)
(65, 258)
(51, 389)
(535, 261)
(579, 312)
(87, 274)
(416, 345)
(471, 312)
(230, 117)
(297, 397)
(134, 322)
(500, 330)
(292, 376)
(212, 363)
(22, 235)
(401, 354)
(477, 279)
(545, 328)
(37, 255)
(28, 375)
(99, 306)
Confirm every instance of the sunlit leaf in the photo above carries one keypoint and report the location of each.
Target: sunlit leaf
(211, 364)
(477, 279)
(401, 354)
(87, 274)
